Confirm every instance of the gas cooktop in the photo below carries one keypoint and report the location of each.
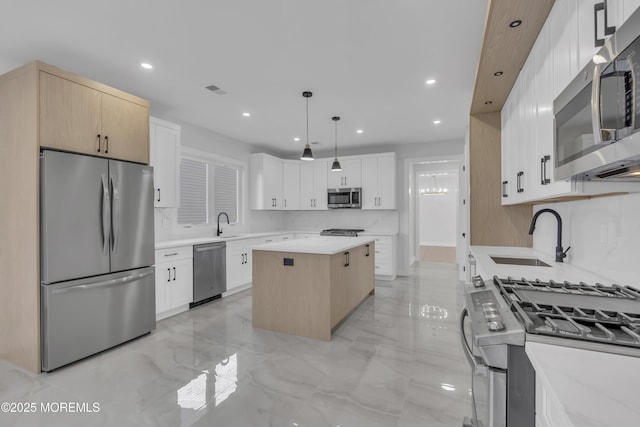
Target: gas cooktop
(595, 313)
(350, 232)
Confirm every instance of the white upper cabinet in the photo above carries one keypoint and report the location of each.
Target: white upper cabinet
(291, 185)
(379, 182)
(349, 176)
(266, 182)
(165, 159)
(628, 7)
(313, 185)
(565, 43)
(544, 182)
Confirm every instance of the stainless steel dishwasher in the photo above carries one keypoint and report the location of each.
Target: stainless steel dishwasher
(209, 272)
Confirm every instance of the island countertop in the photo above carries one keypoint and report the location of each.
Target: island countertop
(322, 245)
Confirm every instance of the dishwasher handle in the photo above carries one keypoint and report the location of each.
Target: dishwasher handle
(206, 248)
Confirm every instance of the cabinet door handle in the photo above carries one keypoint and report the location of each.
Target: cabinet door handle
(242, 258)
(158, 194)
(173, 254)
(543, 170)
(519, 186)
(106, 144)
(285, 203)
(607, 29)
(174, 274)
(98, 150)
(368, 250)
(246, 258)
(346, 259)
(169, 272)
(504, 188)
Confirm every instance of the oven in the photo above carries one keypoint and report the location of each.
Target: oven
(502, 378)
(338, 198)
(503, 314)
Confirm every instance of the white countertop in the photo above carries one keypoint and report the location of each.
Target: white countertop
(558, 271)
(212, 239)
(322, 245)
(594, 388)
(203, 240)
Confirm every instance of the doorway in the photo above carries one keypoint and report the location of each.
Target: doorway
(436, 219)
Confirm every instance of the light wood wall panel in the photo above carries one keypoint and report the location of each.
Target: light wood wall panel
(491, 223)
(19, 225)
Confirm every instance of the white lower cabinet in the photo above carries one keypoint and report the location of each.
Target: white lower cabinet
(239, 265)
(385, 257)
(174, 281)
(549, 412)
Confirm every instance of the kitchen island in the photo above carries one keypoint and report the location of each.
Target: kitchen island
(307, 287)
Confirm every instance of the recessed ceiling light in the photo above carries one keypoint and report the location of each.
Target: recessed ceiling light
(498, 73)
(296, 139)
(515, 23)
(246, 114)
(436, 122)
(488, 102)
(431, 81)
(359, 131)
(146, 66)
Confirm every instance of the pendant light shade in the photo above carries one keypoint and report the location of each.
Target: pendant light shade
(335, 167)
(307, 154)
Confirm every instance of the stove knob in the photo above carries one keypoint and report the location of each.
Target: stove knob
(477, 281)
(496, 324)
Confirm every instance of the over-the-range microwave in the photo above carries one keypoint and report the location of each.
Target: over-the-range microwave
(339, 198)
(597, 117)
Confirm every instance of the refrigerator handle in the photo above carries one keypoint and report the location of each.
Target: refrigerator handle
(103, 284)
(105, 215)
(115, 207)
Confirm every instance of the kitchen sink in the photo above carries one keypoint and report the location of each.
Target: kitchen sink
(533, 262)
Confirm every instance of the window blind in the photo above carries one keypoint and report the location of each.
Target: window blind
(193, 208)
(225, 190)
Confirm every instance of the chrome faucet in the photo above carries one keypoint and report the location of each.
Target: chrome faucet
(560, 253)
(218, 231)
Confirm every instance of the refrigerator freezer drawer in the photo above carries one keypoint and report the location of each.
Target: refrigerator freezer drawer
(84, 317)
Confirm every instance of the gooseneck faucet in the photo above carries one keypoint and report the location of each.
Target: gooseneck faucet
(218, 231)
(560, 253)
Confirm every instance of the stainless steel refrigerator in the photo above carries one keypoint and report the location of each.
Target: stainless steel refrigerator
(96, 255)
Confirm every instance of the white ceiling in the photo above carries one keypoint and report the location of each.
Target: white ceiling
(364, 60)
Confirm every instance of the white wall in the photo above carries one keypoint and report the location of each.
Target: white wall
(437, 213)
(604, 235)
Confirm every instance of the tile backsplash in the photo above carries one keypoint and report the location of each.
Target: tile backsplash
(604, 235)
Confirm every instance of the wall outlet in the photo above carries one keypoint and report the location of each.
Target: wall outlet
(604, 233)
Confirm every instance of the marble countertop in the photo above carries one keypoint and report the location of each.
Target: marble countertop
(212, 239)
(607, 384)
(322, 245)
(558, 271)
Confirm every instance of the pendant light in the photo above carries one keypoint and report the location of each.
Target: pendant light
(307, 154)
(335, 167)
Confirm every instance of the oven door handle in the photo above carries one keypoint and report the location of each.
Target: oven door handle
(476, 363)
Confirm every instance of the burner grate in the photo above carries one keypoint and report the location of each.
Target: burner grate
(604, 314)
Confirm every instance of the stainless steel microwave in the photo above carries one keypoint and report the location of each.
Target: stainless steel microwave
(344, 198)
(597, 117)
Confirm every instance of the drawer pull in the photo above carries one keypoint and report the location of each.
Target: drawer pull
(173, 254)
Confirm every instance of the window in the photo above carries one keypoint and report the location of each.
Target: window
(209, 184)
(194, 184)
(225, 192)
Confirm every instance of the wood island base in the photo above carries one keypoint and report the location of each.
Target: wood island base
(309, 294)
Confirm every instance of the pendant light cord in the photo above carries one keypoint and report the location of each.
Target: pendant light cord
(336, 149)
(307, 121)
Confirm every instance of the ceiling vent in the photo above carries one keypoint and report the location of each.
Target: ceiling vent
(215, 89)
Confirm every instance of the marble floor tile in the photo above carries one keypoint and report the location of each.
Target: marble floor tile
(396, 361)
